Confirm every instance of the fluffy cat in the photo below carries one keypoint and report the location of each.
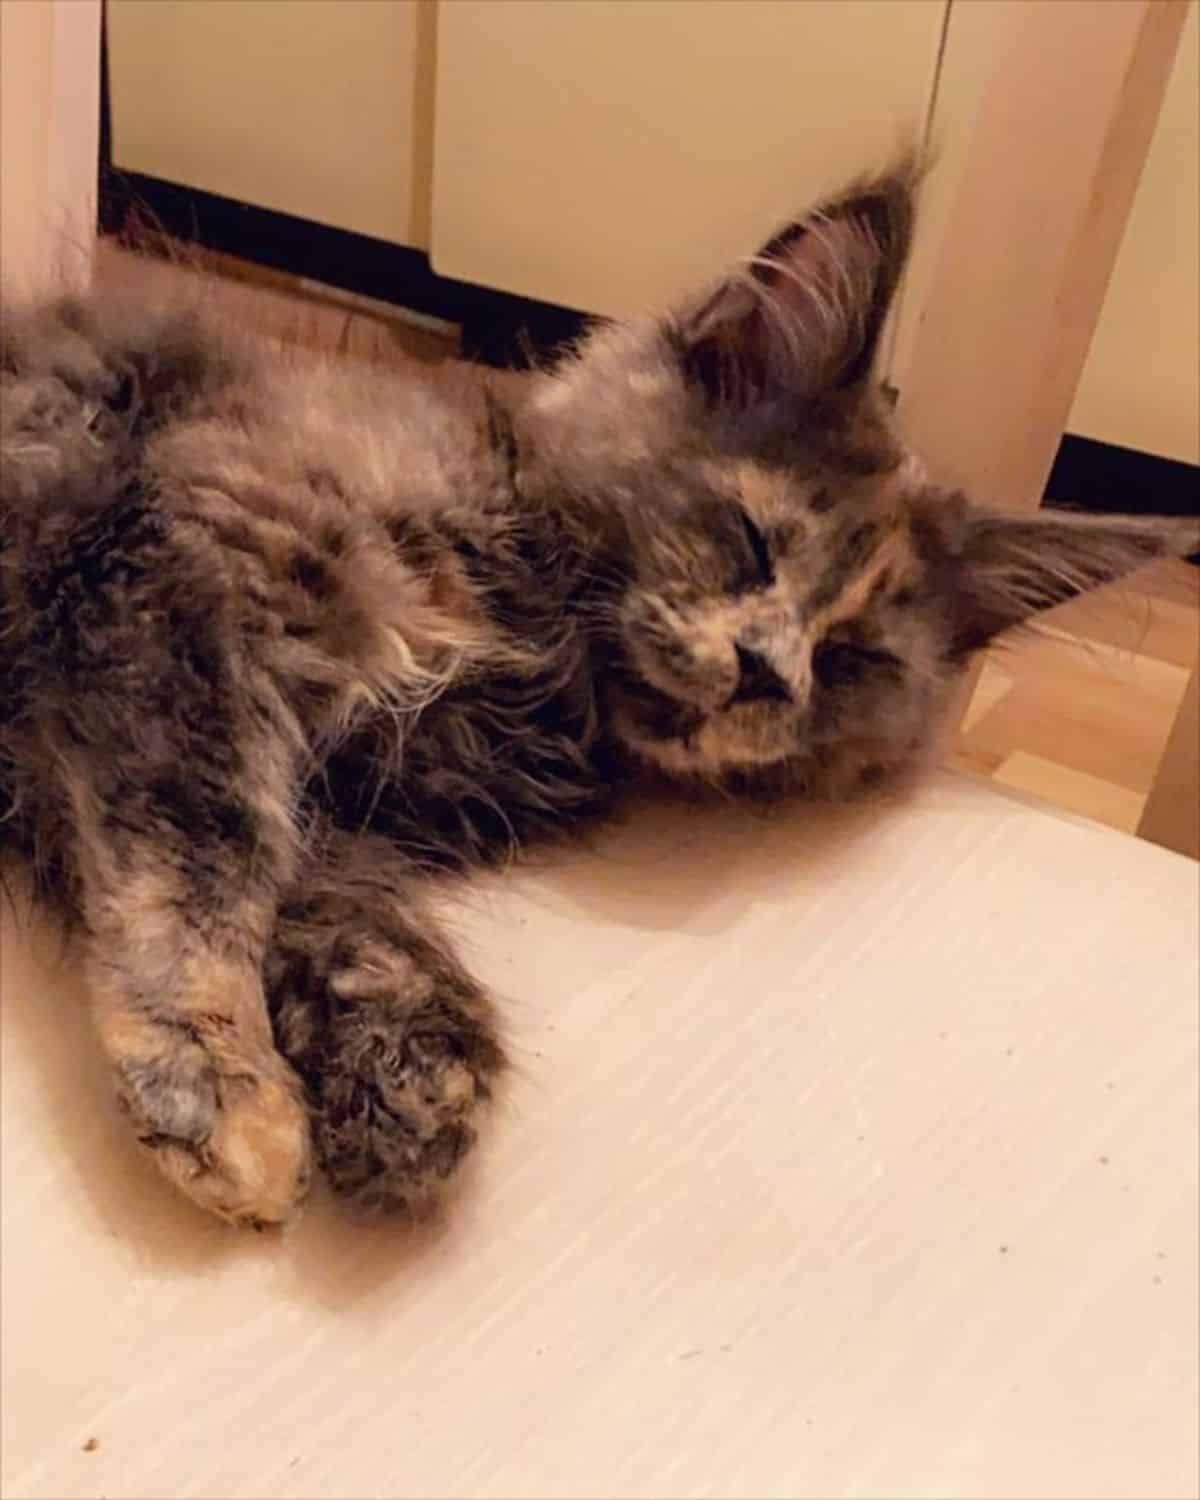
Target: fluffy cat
(278, 641)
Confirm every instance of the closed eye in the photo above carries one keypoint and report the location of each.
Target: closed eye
(760, 552)
(844, 663)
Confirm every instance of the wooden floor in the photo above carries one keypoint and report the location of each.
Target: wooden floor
(1079, 713)
(1076, 714)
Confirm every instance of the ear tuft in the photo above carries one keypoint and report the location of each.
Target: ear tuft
(803, 317)
(1009, 568)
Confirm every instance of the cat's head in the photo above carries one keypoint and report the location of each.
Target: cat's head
(796, 596)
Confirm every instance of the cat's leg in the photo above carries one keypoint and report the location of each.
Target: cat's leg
(166, 756)
(179, 876)
(396, 1043)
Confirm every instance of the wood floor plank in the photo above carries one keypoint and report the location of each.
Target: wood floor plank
(1064, 786)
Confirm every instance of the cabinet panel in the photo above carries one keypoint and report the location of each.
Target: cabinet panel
(319, 108)
(607, 155)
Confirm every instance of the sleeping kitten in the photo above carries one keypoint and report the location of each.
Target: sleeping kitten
(279, 641)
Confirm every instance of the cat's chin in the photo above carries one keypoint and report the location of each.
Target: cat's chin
(739, 739)
(766, 756)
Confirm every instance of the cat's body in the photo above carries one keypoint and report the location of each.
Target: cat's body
(278, 639)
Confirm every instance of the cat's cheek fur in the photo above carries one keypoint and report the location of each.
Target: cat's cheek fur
(682, 649)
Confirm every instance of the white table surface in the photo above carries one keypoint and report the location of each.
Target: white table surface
(850, 1154)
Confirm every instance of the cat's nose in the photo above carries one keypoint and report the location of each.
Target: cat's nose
(758, 681)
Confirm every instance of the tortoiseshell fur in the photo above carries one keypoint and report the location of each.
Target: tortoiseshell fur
(279, 640)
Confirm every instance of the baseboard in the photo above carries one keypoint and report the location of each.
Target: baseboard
(1105, 477)
(496, 328)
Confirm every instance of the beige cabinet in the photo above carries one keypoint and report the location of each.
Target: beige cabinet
(318, 108)
(608, 155)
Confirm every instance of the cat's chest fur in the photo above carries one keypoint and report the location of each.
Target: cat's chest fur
(509, 747)
(498, 737)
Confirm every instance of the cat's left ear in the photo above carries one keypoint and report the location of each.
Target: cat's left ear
(803, 317)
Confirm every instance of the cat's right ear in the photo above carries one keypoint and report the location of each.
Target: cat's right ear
(1005, 569)
(803, 317)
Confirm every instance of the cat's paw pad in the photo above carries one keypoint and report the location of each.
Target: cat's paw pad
(237, 1143)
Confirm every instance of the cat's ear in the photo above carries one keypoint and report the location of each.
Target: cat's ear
(803, 317)
(1008, 568)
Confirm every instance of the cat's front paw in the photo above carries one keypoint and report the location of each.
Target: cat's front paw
(395, 1107)
(235, 1139)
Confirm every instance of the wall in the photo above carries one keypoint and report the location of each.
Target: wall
(1141, 383)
